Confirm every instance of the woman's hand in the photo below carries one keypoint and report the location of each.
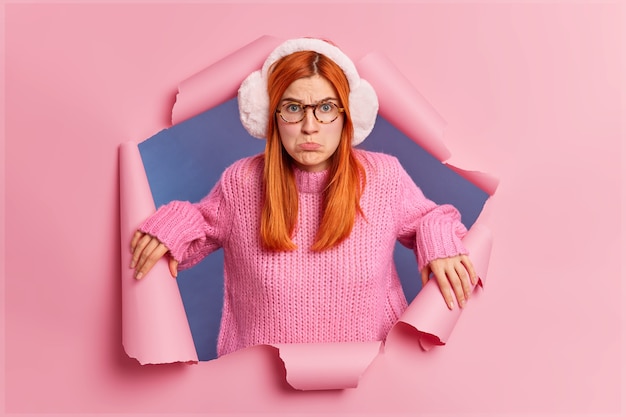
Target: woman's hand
(147, 250)
(454, 275)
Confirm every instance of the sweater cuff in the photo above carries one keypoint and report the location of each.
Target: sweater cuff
(440, 239)
(176, 225)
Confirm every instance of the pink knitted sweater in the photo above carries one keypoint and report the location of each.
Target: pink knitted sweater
(348, 293)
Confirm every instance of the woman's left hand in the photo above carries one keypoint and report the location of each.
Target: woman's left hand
(455, 276)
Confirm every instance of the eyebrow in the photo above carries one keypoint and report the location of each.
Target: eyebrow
(295, 100)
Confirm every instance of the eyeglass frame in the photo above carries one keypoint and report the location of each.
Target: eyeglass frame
(314, 107)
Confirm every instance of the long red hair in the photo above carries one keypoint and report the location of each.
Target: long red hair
(346, 177)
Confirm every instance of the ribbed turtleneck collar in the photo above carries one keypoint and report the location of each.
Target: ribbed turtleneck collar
(311, 182)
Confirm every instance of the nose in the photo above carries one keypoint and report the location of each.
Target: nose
(309, 124)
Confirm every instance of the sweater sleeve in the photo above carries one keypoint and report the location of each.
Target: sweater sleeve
(432, 231)
(191, 231)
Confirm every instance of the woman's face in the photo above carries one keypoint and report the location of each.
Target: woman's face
(309, 142)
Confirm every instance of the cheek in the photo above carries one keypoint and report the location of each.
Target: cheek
(286, 133)
(335, 131)
(339, 129)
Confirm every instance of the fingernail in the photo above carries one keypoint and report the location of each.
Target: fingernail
(451, 305)
(139, 275)
(132, 264)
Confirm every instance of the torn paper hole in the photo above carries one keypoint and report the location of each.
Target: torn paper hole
(156, 321)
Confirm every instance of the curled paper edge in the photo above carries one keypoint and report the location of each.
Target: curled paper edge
(220, 81)
(427, 314)
(412, 114)
(327, 366)
(154, 323)
(486, 182)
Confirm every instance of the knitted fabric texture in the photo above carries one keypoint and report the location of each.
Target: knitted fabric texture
(348, 293)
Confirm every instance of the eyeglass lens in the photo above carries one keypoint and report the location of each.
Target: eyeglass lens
(295, 112)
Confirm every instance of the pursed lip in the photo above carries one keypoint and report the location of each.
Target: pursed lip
(309, 146)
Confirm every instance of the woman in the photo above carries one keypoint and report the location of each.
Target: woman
(308, 228)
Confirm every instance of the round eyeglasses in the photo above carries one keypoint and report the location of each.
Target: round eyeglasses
(326, 112)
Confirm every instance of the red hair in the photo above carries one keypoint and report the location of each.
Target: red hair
(346, 177)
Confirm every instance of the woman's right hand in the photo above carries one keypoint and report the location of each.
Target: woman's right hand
(147, 250)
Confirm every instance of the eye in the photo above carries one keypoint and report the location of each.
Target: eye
(293, 108)
(325, 107)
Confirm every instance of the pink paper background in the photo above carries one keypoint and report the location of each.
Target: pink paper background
(531, 93)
